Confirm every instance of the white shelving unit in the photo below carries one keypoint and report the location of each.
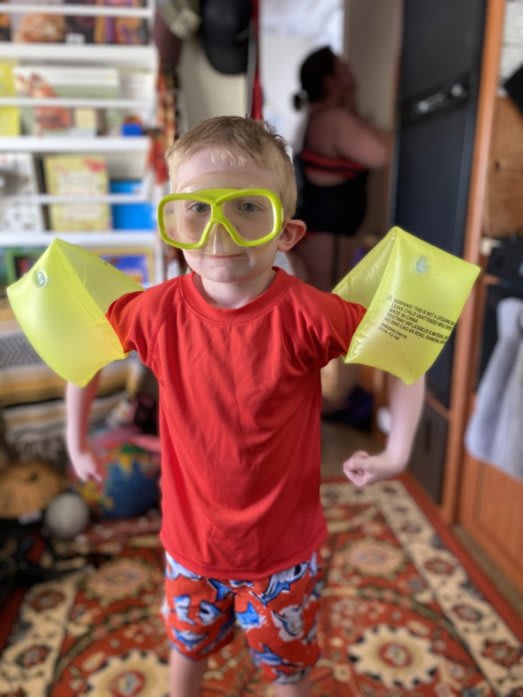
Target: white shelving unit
(101, 144)
(95, 54)
(120, 151)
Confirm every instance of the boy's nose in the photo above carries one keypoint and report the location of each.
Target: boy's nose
(219, 241)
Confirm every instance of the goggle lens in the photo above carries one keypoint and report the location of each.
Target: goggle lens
(186, 220)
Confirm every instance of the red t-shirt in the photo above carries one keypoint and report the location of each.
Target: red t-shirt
(239, 414)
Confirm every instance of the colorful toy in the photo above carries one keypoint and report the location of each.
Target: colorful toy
(129, 483)
(67, 515)
(27, 488)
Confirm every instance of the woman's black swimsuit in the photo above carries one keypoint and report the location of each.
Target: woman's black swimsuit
(339, 208)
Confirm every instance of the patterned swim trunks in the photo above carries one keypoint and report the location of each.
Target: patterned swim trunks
(277, 613)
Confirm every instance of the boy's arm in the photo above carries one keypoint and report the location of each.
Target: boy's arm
(78, 401)
(406, 402)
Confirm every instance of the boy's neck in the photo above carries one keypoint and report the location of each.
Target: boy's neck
(234, 295)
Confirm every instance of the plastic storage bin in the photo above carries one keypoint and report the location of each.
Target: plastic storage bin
(131, 216)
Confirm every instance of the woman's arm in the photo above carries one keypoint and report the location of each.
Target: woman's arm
(357, 139)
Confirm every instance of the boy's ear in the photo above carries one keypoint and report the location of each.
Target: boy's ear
(292, 232)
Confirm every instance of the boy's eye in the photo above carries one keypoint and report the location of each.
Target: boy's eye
(249, 206)
(197, 207)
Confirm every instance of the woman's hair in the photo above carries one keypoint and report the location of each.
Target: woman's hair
(312, 76)
(240, 141)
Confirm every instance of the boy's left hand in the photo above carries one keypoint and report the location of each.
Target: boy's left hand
(362, 469)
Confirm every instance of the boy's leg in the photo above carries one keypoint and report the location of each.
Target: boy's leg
(199, 619)
(279, 617)
(299, 689)
(185, 676)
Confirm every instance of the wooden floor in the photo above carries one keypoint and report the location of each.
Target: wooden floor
(339, 441)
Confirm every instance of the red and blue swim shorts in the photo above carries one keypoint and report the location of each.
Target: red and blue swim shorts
(277, 614)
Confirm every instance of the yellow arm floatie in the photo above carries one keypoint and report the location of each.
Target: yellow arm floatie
(60, 305)
(414, 293)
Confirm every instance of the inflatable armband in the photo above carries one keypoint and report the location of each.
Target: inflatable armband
(414, 294)
(61, 304)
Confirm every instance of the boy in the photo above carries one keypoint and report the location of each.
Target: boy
(237, 347)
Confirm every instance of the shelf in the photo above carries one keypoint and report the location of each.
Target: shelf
(93, 103)
(129, 86)
(140, 56)
(45, 199)
(143, 195)
(109, 238)
(77, 10)
(102, 144)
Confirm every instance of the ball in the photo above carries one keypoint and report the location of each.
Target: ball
(67, 515)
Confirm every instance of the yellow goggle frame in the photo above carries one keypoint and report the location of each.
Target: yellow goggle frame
(216, 198)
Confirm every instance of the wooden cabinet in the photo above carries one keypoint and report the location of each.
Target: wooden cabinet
(484, 500)
(504, 203)
(491, 511)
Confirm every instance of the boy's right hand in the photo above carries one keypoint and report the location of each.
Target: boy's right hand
(86, 465)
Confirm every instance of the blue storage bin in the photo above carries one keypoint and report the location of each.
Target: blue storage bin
(131, 216)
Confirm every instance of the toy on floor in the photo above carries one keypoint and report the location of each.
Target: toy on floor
(129, 480)
(66, 516)
(26, 489)
(32, 493)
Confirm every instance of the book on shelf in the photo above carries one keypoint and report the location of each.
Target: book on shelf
(5, 26)
(128, 31)
(44, 81)
(36, 27)
(19, 260)
(136, 262)
(77, 175)
(43, 27)
(80, 29)
(18, 184)
(9, 115)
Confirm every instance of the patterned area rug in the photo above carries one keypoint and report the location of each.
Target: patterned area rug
(400, 616)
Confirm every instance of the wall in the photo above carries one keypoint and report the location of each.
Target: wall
(373, 47)
(204, 92)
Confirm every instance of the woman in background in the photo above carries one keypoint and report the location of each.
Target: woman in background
(339, 148)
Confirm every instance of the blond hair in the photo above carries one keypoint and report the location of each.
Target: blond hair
(239, 141)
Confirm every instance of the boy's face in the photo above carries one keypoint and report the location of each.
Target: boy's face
(221, 259)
